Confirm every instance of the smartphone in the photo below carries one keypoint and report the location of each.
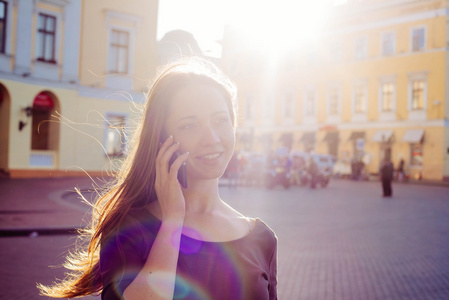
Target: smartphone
(182, 172)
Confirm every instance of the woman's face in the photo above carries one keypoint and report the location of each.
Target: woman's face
(199, 120)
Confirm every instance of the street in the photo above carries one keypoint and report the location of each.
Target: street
(340, 242)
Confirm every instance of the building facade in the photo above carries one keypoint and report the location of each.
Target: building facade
(374, 87)
(72, 75)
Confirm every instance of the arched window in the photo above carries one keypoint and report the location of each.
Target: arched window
(42, 107)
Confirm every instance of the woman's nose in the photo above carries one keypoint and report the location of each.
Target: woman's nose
(210, 135)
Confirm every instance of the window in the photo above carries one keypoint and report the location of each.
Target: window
(289, 106)
(359, 99)
(3, 15)
(416, 154)
(46, 37)
(418, 39)
(360, 47)
(119, 52)
(388, 43)
(115, 135)
(333, 101)
(387, 91)
(417, 97)
(309, 109)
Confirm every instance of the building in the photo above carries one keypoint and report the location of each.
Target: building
(72, 73)
(375, 87)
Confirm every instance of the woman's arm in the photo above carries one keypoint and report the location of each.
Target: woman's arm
(156, 280)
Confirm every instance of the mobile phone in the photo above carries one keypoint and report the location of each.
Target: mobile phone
(182, 172)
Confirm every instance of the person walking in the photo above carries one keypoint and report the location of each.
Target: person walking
(386, 173)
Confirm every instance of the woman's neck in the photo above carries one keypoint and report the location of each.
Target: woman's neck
(202, 197)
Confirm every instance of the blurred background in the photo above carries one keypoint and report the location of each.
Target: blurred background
(357, 80)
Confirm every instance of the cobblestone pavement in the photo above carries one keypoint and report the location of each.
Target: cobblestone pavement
(341, 242)
(347, 242)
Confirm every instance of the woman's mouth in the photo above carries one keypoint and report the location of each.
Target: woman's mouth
(211, 156)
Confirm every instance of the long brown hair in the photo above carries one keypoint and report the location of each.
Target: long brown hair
(134, 184)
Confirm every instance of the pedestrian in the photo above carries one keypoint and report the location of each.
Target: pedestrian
(401, 173)
(386, 173)
(152, 238)
(353, 169)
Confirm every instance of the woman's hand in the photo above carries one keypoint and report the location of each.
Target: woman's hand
(168, 189)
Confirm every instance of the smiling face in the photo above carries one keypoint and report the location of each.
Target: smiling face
(199, 119)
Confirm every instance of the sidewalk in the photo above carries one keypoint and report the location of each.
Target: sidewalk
(43, 206)
(51, 206)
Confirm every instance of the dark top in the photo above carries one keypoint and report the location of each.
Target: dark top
(244, 268)
(386, 171)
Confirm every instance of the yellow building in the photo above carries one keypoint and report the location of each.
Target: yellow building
(71, 73)
(374, 87)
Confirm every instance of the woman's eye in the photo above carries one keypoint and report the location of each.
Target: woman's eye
(222, 120)
(187, 126)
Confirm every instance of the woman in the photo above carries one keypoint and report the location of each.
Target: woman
(151, 238)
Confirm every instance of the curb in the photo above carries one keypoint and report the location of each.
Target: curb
(35, 232)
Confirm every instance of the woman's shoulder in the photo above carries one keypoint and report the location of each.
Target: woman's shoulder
(264, 230)
(136, 222)
(136, 231)
(262, 235)
(140, 217)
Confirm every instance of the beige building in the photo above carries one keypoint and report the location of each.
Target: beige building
(375, 86)
(72, 76)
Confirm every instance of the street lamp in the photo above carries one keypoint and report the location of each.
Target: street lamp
(29, 112)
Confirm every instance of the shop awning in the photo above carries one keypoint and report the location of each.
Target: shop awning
(382, 136)
(413, 136)
(43, 101)
(308, 137)
(331, 137)
(355, 135)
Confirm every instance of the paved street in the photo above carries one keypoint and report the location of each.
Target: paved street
(341, 242)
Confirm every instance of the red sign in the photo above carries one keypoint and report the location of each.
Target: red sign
(43, 102)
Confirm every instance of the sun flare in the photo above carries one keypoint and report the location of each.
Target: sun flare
(276, 27)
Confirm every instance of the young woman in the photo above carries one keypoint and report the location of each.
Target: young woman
(151, 237)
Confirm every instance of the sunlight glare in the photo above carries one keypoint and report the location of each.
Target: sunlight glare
(278, 27)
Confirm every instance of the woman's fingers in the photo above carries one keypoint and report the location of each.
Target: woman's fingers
(168, 189)
(166, 152)
(167, 155)
(174, 168)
